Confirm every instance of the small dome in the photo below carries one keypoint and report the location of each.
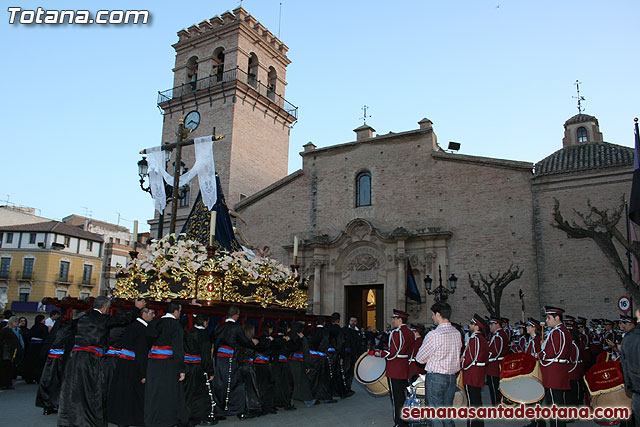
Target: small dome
(580, 118)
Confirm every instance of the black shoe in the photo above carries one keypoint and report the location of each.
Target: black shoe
(349, 394)
(49, 411)
(290, 408)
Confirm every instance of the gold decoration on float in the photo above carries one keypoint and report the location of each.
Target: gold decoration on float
(175, 267)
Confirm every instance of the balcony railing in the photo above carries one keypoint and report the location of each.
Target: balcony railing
(24, 275)
(215, 80)
(66, 280)
(88, 282)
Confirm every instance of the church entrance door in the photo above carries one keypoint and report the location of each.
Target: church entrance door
(367, 304)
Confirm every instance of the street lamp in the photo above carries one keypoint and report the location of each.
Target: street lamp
(441, 293)
(143, 173)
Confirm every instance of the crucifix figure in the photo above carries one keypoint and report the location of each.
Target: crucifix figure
(183, 141)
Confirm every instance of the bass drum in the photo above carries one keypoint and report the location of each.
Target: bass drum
(370, 371)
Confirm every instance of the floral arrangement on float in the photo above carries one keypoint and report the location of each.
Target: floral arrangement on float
(177, 267)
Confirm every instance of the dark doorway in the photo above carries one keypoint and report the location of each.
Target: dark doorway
(367, 304)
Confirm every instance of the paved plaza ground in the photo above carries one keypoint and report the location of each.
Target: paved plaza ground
(17, 409)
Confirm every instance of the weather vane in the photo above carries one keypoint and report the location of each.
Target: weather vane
(365, 116)
(579, 98)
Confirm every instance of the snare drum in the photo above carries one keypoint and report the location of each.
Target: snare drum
(605, 383)
(520, 379)
(371, 371)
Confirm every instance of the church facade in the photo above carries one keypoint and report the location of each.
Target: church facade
(368, 210)
(439, 211)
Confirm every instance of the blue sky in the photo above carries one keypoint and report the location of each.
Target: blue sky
(79, 102)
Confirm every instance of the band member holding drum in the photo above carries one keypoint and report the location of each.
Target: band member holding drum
(401, 340)
(554, 361)
(474, 361)
(498, 348)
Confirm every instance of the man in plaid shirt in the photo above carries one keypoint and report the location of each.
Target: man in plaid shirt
(440, 352)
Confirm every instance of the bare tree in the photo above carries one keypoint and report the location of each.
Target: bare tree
(490, 288)
(600, 225)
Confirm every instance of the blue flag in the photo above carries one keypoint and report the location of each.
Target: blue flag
(634, 208)
(412, 288)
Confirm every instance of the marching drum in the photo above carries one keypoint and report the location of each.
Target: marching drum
(605, 383)
(371, 372)
(520, 379)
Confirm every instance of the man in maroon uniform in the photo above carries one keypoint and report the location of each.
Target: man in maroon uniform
(533, 342)
(401, 341)
(415, 368)
(576, 367)
(609, 338)
(474, 361)
(498, 348)
(554, 361)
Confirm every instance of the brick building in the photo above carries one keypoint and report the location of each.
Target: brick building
(365, 210)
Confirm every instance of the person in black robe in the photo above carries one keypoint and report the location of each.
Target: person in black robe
(198, 373)
(9, 350)
(228, 385)
(33, 362)
(335, 355)
(320, 375)
(300, 365)
(82, 394)
(262, 366)
(246, 357)
(164, 400)
(119, 321)
(281, 372)
(56, 350)
(352, 350)
(125, 402)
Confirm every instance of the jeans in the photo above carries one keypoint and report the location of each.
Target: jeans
(440, 390)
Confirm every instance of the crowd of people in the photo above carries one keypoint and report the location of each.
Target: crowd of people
(21, 347)
(452, 357)
(136, 368)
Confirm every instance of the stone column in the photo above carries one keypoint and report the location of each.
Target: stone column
(401, 278)
(317, 271)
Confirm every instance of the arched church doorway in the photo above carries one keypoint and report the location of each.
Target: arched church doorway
(366, 302)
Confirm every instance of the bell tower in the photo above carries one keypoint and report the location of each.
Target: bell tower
(231, 70)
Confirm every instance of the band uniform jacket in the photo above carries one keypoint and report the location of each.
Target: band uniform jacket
(576, 366)
(533, 345)
(415, 368)
(401, 343)
(585, 341)
(554, 358)
(498, 349)
(608, 336)
(474, 360)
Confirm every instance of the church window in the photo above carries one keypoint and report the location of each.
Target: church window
(218, 64)
(252, 71)
(271, 88)
(582, 134)
(192, 72)
(185, 193)
(363, 189)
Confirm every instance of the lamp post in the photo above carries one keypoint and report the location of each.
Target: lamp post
(441, 293)
(143, 173)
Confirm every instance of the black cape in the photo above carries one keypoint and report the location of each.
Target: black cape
(320, 375)
(199, 403)
(164, 401)
(228, 387)
(301, 384)
(82, 395)
(33, 363)
(125, 402)
(59, 340)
